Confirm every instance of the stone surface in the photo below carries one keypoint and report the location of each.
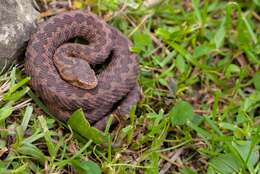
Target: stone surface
(17, 23)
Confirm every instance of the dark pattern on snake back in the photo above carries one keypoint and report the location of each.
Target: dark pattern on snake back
(116, 83)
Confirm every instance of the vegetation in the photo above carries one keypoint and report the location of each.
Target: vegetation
(200, 77)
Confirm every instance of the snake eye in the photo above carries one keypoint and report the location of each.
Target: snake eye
(86, 84)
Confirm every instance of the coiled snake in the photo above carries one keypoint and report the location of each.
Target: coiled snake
(62, 73)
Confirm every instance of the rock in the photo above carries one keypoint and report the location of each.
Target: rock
(17, 23)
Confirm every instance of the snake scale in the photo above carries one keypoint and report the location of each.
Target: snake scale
(65, 75)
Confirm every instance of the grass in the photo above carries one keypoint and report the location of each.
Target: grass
(199, 72)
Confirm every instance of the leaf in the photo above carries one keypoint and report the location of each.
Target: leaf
(251, 56)
(256, 80)
(195, 4)
(229, 126)
(142, 41)
(202, 50)
(181, 64)
(200, 131)
(249, 29)
(257, 2)
(211, 170)
(232, 69)
(18, 85)
(213, 125)
(31, 150)
(26, 117)
(197, 119)
(84, 129)
(244, 35)
(181, 113)
(187, 171)
(153, 167)
(182, 51)
(225, 164)
(13, 76)
(52, 149)
(163, 33)
(251, 102)
(19, 170)
(249, 153)
(220, 35)
(16, 95)
(5, 112)
(86, 167)
(109, 4)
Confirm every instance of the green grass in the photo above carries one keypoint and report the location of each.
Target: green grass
(200, 77)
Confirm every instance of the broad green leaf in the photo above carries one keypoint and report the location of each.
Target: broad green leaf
(86, 167)
(181, 113)
(211, 170)
(248, 152)
(225, 164)
(84, 129)
(5, 112)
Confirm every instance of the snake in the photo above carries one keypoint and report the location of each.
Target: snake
(98, 74)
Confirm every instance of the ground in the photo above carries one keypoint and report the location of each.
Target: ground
(200, 80)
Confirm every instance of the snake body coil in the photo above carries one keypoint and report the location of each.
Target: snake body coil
(61, 71)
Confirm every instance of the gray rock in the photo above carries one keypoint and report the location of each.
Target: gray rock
(17, 23)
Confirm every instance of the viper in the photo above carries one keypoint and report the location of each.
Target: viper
(68, 75)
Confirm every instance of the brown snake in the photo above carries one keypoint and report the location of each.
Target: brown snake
(62, 73)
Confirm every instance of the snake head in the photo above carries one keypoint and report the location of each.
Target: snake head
(78, 73)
